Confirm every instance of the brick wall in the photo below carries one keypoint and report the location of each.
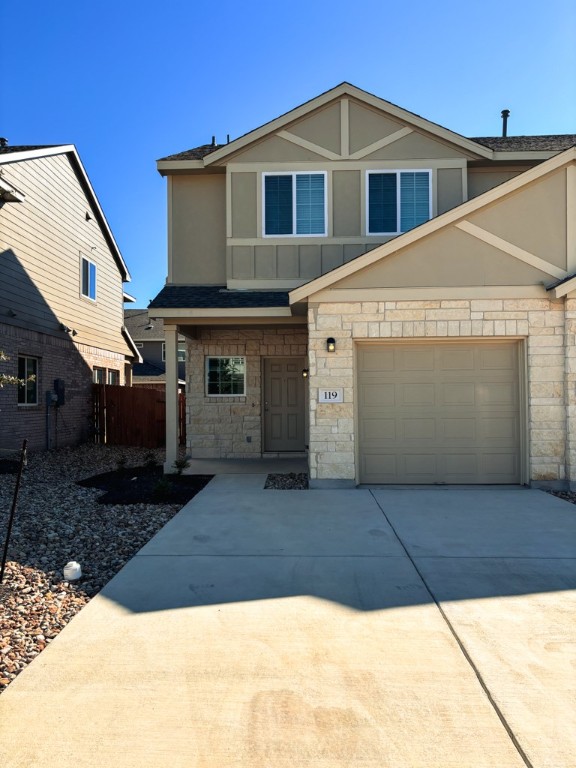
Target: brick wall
(549, 327)
(59, 358)
(217, 427)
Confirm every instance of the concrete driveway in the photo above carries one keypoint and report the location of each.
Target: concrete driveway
(275, 629)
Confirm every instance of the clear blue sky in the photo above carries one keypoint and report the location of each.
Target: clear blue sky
(128, 82)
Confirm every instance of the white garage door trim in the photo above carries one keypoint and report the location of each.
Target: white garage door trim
(399, 467)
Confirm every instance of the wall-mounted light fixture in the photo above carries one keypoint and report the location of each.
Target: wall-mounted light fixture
(305, 373)
(65, 328)
(331, 344)
(74, 333)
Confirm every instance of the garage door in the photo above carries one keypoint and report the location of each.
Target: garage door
(439, 413)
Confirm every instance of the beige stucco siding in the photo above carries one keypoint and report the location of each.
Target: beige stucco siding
(198, 229)
(450, 193)
(482, 179)
(416, 146)
(275, 149)
(368, 126)
(533, 218)
(244, 198)
(321, 127)
(448, 258)
(42, 240)
(347, 203)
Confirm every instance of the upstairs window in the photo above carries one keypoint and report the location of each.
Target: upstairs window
(397, 201)
(294, 204)
(88, 279)
(181, 352)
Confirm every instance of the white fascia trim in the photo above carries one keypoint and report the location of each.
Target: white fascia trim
(33, 154)
(132, 345)
(128, 298)
(565, 288)
(435, 224)
(178, 165)
(397, 173)
(294, 222)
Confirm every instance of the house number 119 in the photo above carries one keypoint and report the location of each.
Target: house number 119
(330, 396)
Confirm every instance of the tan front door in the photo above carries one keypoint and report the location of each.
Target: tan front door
(439, 413)
(284, 414)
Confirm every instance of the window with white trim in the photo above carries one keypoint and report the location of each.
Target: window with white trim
(112, 377)
(88, 279)
(225, 376)
(397, 201)
(294, 204)
(28, 375)
(181, 353)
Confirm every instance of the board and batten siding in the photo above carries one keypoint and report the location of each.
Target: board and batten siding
(42, 240)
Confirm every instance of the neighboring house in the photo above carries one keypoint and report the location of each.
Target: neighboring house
(61, 297)
(393, 297)
(148, 336)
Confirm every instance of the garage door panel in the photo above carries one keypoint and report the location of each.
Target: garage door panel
(377, 359)
(415, 359)
(456, 422)
(418, 394)
(463, 429)
(377, 395)
(455, 359)
(419, 429)
(453, 393)
(379, 429)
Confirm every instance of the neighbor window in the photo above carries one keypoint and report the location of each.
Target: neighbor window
(181, 351)
(112, 377)
(225, 375)
(98, 375)
(88, 279)
(28, 374)
(294, 204)
(397, 201)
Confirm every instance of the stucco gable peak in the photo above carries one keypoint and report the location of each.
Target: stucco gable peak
(342, 91)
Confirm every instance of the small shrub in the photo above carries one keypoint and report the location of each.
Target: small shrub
(180, 465)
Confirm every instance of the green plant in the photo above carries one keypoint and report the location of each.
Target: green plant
(180, 465)
(6, 379)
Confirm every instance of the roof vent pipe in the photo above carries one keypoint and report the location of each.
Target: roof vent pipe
(227, 138)
(213, 141)
(505, 116)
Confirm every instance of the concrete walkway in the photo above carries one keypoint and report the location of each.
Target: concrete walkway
(277, 629)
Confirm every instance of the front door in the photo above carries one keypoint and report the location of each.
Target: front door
(284, 404)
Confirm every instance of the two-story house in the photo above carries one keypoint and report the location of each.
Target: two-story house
(396, 299)
(61, 297)
(148, 336)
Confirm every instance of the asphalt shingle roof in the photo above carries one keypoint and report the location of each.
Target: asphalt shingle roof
(215, 297)
(197, 153)
(25, 148)
(137, 321)
(553, 143)
(149, 370)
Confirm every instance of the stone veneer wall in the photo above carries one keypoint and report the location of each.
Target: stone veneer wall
(548, 325)
(218, 427)
(59, 358)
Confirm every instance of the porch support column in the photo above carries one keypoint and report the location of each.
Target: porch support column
(172, 441)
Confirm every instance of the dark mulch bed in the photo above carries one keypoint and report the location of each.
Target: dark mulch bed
(8, 467)
(145, 485)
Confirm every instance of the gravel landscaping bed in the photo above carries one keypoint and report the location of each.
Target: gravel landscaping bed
(57, 521)
(291, 481)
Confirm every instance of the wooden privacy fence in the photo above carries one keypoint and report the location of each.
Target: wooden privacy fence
(133, 416)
